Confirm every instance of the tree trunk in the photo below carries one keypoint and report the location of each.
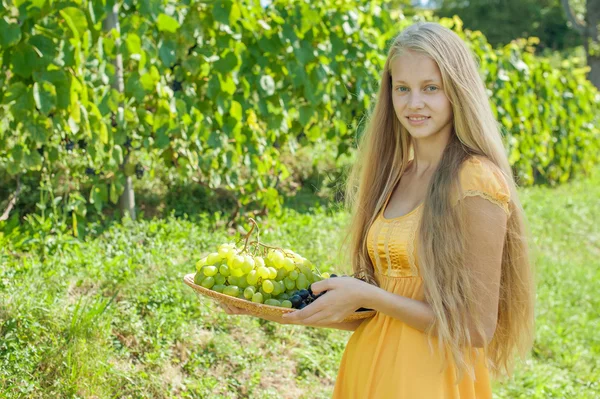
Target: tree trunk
(592, 18)
(12, 201)
(594, 75)
(589, 29)
(127, 200)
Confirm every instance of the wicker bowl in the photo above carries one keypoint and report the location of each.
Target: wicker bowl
(258, 309)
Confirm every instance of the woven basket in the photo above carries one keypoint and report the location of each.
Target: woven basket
(258, 309)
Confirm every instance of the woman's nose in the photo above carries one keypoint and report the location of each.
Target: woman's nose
(415, 102)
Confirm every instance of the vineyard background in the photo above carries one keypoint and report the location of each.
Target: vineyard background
(135, 136)
(227, 98)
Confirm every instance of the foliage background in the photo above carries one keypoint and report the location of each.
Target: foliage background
(221, 97)
(229, 109)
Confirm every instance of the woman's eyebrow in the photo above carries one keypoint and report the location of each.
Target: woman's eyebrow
(425, 81)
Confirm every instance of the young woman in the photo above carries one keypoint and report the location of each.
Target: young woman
(437, 229)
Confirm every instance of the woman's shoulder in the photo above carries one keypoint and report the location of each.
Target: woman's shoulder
(476, 167)
(479, 176)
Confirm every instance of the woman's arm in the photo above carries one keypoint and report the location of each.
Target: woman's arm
(486, 228)
(344, 325)
(348, 326)
(417, 314)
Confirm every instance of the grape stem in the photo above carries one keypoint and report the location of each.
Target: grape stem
(266, 246)
(282, 250)
(258, 243)
(254, 225)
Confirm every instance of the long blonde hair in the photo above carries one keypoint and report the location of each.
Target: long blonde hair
(382, 157)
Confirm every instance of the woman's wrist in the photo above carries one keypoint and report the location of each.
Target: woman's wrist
(369, 296)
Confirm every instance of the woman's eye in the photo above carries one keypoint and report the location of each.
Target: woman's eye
(404, 89)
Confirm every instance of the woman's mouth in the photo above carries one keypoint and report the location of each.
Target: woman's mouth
(417, 120)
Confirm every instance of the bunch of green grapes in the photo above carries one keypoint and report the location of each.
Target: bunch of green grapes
(273, 279)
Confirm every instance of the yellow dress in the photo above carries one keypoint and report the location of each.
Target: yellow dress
(387, 359)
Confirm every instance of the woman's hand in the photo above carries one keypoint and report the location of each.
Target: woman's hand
(234, 310)
(343, 297)
(230, 309)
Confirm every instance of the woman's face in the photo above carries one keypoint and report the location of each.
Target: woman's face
(418, 96)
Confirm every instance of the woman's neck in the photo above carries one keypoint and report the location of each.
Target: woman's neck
(428, 153)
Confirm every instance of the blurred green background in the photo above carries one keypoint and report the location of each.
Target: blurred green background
(135, 136)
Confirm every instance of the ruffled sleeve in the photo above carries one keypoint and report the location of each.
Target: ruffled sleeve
(480, 177)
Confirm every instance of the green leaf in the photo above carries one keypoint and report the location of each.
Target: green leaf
(53, 154)
(313, 133)
(214, 140)
(234, 14)
(227, 85)
(134, 43)
(134, 88)
(13, 168)
(304, 54)
(227, 63)
(98, 196)
(33, 160)
(226, 12)
(306, 112)
(148, 83)
(74, 222)
(10, 34)
(117, 154)
(214, 86)
(103, 133)
(309, 19)
(24, 105)
(114, 193)
(24, 60)
(112, 98)
(267, 84)
(44, 95)
(63, 95)
(108, 46)
(69, 56)
(44, 46)
(61, 83)
(232, 127)
(309, 92)
(162, 139)
(166, 51)
(236, 111)
(166, 23)
(15, 90)
(37, 133)
(269, 44)
(17, 153)
(76, 20)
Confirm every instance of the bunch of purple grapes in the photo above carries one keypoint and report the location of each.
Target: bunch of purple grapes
(303, 298)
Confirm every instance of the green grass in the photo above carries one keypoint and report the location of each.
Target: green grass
(565, 362)
(110, 317)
